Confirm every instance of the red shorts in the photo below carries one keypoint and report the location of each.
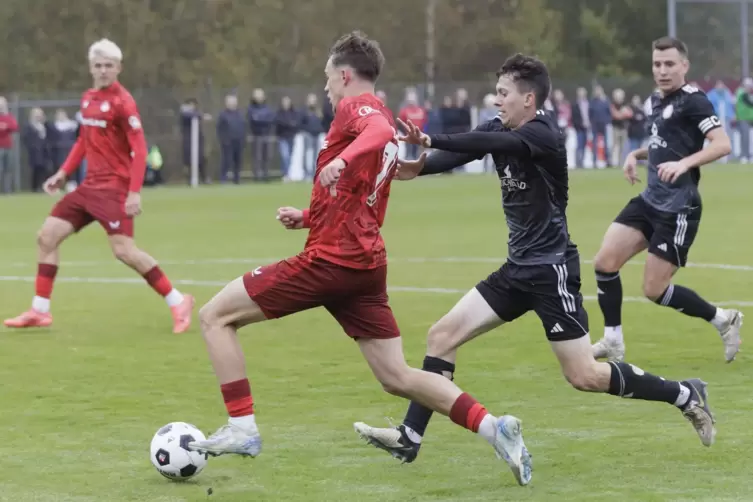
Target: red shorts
(85, 205)
(357, 299)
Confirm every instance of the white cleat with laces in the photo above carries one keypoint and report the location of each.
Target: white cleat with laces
(230, 439)
(730, 333)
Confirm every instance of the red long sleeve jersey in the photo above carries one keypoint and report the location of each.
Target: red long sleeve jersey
(111, 139)
(344, 228)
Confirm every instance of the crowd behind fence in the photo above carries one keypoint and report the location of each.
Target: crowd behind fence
(599, 138)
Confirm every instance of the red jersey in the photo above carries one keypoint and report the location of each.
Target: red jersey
(111, 139)
(344, 228)
(8, 126)
(415, 114)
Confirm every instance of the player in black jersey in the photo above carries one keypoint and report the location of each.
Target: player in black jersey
(542, 271)
(665, 217)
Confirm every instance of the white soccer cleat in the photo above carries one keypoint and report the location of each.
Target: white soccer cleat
(230, 439)
(509, 446)
(730, 333)
(612, 350)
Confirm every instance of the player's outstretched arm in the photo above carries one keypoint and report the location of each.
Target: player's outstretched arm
(130, 122)
(480, 143)
(441, 161)
(74, 158)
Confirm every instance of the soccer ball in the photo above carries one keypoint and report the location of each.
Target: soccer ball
(170, 454)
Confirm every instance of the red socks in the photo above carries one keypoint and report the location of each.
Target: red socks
(237, 396)
(467, 412)
(45, 279)
(158, 281)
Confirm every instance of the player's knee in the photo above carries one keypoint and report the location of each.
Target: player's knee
(396, 382)
(124, 252)
(654, 288)
(46, 241)
(208, 316)
(441, 338)
(606, 262)
(584, 379)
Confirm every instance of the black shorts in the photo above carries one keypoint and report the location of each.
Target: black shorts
(552, 291)
(669, 235)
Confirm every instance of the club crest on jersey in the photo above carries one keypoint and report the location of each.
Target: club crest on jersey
(365, 110)
(667, 112)
(105, 107)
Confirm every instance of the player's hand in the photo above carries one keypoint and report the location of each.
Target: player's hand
(54, 183)
(133, 204)
(414, 135)
(330, 175)
(670, 171)
(409, 169)
(630, 169)
(290, 217)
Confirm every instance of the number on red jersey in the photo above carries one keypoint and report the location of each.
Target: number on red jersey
(389, 160)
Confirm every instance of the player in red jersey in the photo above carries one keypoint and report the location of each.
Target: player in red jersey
(342, 268)
(113, 143)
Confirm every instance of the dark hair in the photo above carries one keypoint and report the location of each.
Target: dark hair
(529, 74)
(666, 43)
(360, 53)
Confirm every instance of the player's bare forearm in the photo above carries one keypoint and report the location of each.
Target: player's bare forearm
(640, 154)
(441, 161)
(479, 143)
(719, 146)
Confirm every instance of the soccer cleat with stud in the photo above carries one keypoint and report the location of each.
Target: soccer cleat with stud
(509, 446)
(30, 319)
(730, 333)
(182, 314)
(697, 411)
(230, 439)
(611, 350)
(393, 440)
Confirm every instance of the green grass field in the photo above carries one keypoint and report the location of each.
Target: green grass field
(81, 401)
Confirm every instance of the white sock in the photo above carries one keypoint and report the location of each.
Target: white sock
(720, 319)
(488, 428)
(174, 298)
(41, 305)
(682, 399)
(247, 423)
(613, 334)
(413, 435)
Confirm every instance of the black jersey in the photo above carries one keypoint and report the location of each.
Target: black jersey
(531, 164)
(678, 126)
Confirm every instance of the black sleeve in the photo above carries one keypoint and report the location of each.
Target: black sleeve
(534, 138)
(441, 161)
(539, 137)
(479, 143)
(700, 113)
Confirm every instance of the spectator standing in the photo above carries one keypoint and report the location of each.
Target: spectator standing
(600, 117)
(312, 126)
(231, 134)
(287, 125)
(8, 127)
(744, 114)
(417, 114)
(35, 139)
(581, 113)
(621, 114)
(261, 124)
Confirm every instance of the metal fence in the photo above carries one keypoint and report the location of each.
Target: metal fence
(160, 110)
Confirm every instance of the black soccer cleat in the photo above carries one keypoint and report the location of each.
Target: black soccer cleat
(393, 440)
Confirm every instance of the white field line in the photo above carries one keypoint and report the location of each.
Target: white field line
(393, 289)
(441, 259)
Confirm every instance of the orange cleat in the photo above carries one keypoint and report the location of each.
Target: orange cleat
(30, 319)
(182, 314)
